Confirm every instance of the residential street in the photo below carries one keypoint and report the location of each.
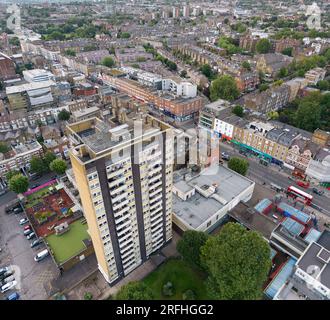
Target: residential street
(273, 174)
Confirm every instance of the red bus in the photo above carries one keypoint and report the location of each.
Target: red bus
(300, 195)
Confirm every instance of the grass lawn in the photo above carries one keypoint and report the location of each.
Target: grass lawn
(182, 276)
(70, 243)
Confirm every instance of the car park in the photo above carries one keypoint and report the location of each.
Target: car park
(31, 236)
(36, 242)
(11, 206)
(8, 286)
(23, 221)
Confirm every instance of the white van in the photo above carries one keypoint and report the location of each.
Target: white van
(41, 255)
(8, 286)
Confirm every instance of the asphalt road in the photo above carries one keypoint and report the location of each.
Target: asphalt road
(273, 174)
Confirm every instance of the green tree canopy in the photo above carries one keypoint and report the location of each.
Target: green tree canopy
(246, 65)
(224, 87)
(18, 183)
(238, 262)
(263, 46)
(108, 62)
(207, 71)
(239, 165)
(11, 173)
(58, 166)
(4, 147)
(48, 158)
(283, 72)
(287, 51)
(37, 165)
(263, 87)
(308, 115)
(238, 110)
(64, 115)
(189, 246)
(134, 291)
(70, 52)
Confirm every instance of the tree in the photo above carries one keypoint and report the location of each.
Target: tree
(58, 166)
(323, 85)
(4, 148)
(19, 183)
(183, 73)
(273, 115)
(239, 165)
(64, 115)
(207, 71)
(287, 51)
(108, 62)
(308, 116)
(11, 173)
(48, 158)
(37, 165)
(70, 52)
(134, 291)
(283, 72)
(224, 87)
(263, 46)
(238, 110)
(263, 87)
(238, 262)
(246, 65)
(189, 246)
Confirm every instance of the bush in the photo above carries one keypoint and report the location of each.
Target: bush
(168, 289)
(88, 296)
(189, 295)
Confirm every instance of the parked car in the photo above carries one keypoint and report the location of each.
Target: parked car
(11, 206)
(6, 274)
(36, 242)
(41, 255)
(23, 221)
(35, 185)
(8, 286)
(4, 270)
(318, 192)
(302, 184)
(27, 227)
(31, 236)
(27, 232)
(291, 178)
(8, 279)
(13, 296)
(18, 210)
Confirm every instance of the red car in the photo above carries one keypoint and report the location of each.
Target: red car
(303, 184)
(27, 227)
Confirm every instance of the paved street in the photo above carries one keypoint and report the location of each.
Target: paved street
(35, 277)
(272, 174)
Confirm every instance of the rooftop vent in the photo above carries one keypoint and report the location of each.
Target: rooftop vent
(324, 255)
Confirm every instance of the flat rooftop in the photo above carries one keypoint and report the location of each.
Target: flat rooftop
(70, 243)
(198, 209)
